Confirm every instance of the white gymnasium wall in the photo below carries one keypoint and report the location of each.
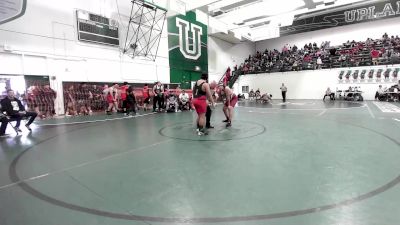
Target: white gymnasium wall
(311, 84)
(44, 42)
(222, 54)
(339, 35)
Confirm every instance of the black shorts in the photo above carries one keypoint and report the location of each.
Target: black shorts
(146, 100)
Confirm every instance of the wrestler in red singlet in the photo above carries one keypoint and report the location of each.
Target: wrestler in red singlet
(201, 91)
(230, 102)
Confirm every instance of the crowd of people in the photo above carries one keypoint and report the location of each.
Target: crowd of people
(84, 99)
(41, 99)
(385, 50)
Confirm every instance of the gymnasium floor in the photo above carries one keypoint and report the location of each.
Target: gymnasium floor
(301, 163)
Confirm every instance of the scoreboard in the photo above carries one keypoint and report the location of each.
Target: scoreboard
(96, 28)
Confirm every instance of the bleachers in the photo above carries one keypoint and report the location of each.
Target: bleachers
(349, 54)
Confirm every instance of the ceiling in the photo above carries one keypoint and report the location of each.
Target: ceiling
(237, 21)
(254, 20)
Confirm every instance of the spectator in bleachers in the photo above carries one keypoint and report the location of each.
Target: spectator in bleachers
(375, 56)
(84, 99)
(32, 99)
(49, 96)
(319, 63)
(69, 98)
(351, 53)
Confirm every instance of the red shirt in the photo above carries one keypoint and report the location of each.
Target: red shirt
(375, 54)
(145, 92)
(123, 91)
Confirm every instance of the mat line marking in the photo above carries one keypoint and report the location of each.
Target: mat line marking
(95, 121)
(322, 113)
(318, 109)
(370, 111)
(84, 164)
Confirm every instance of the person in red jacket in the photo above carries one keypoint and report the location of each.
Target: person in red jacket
(375, 55)
(124, 93)
(146, 96)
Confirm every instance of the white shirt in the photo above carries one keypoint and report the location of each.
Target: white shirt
(184, 97)
(15, 105)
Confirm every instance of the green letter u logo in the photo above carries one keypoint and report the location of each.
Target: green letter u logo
(194, 52)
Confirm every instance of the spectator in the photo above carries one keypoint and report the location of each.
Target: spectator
(130, 103)
(379, 93)
(293, 58)
(283, 90)
(319, 63)
(251, 94)
(158, 91)
(70, 109)
(146, 96)
(49, 97)
(184, 103)
(172, 103)
(375, 55)
(15, 110)
(329, 93)
(124, 93)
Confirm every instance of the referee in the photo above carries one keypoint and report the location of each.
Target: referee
(209, 112)
(208, 117)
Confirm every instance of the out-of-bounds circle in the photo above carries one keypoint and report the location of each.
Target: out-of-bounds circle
(239, 130)
(13, 175)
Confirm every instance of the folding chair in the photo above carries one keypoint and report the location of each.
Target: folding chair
(9, 120)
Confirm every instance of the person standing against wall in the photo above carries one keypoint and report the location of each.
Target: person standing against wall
(284, 90)
(124, 94)
(158, 91)
(146, 96)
